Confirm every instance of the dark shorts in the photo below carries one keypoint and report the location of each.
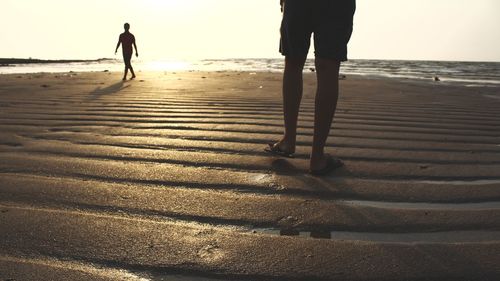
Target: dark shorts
(329, 20)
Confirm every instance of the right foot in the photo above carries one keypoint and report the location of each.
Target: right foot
(324, 165)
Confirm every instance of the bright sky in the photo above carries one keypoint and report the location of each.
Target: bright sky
(183, 29)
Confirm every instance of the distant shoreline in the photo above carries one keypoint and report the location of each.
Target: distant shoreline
(13, 61)
(471, 74)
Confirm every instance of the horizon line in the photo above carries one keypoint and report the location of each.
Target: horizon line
(12, 60)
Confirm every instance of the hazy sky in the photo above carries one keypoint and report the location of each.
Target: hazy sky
(176, 29)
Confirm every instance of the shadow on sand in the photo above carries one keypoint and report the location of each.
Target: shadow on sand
(112, 89)
(285, 167)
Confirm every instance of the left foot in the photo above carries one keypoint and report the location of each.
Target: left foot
(132, 78)
(279, 149)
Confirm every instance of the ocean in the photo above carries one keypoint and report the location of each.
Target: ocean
(465, 73)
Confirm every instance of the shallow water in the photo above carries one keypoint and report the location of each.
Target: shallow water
(427, 237)
(464, 73)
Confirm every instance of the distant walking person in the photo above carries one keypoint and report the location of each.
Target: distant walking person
(127, 39)
(331, 23)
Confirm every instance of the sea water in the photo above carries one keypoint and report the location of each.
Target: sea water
(467, 73)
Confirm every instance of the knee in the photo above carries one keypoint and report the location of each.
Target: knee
(327, 65)
(294, 63)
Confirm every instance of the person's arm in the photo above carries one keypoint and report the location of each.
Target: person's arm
(135, 46)
(118, 44)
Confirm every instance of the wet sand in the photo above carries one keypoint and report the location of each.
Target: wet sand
(165, 178)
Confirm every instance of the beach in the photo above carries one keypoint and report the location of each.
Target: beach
(165, 178)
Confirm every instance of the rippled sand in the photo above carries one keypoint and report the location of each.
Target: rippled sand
(165, 178)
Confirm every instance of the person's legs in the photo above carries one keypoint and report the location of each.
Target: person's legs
(327, 71)
(332, 31)
(125, 73)
(126, 59)
(132, 71)
(292, 95)
(294, 45)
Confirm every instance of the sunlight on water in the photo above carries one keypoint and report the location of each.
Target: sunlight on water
(464, 73)
(167, 65)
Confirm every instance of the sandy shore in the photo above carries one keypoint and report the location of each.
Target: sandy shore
(165, 178)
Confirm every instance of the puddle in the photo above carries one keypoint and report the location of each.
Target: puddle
(492, 97)
(467, 183)
(427, 206)
(161, 277)
(431, 237)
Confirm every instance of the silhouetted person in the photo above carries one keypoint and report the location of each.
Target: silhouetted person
(127, 39)
(331, 23)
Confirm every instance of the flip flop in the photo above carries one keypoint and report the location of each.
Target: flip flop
(332, 164)
(273, 148)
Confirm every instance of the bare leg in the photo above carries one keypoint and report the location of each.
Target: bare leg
(132, 71)
(126, 59)
(326, 102)
(125, 73)
(292, 95)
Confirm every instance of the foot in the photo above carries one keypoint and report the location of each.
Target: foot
(124, 79)
(325, 165)
(132, 78)
(281, 149)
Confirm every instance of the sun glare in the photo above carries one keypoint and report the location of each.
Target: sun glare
(173, 4)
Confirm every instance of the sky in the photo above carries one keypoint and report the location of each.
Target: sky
(459, 30)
